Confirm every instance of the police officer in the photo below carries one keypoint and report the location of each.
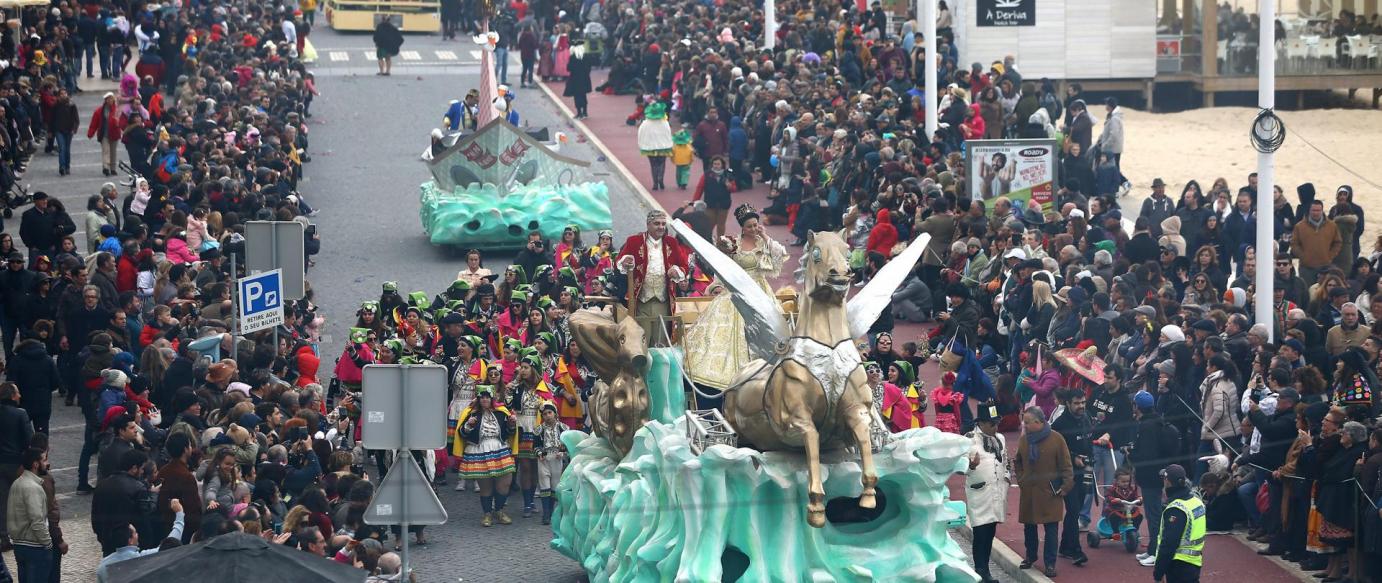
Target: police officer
(1180, 553)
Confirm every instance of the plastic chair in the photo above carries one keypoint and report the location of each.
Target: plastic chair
(1296, 53)
(1328, 48)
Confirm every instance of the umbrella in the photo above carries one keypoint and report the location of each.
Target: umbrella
(234, 558)
(1085, 363)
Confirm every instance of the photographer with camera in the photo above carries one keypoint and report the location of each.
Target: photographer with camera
(303, 466)
(1073, 424)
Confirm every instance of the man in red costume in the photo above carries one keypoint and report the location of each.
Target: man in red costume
(655, 263)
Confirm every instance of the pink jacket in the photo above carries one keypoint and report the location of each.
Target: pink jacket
(178, 252)
(347, 371)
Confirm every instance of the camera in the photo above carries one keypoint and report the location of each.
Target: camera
(297, 434)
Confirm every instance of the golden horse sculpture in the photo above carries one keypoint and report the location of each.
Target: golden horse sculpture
(619, 354)
(807, 388)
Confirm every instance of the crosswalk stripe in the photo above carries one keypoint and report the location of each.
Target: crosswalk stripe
(446, 55)
(411, 56)
(340, 56)
(369, 55)
(475, 55)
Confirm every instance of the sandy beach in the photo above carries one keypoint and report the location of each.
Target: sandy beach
(1204, 144)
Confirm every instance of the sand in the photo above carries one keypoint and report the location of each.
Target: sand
(1204, 144)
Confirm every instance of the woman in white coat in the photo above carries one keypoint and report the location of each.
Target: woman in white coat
(986, 486)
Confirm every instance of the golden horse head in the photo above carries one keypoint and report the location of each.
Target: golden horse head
(619, 354)
(827, 273)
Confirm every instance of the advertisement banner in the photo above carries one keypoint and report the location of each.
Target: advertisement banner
(1021, 170)
(1005, 13)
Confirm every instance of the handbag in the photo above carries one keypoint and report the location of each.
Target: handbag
(1264, 498)
(951, 360)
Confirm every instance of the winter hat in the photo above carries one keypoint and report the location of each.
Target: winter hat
(1207, 325)
(184, 401)
(1173, 333)
(1236, 296)
(238, 387)
(114, 378)
(657, 110)
(111, 414)
(250, 420)
(1144, 400)
(1166, 367)
(1295, 345)
(681, 138)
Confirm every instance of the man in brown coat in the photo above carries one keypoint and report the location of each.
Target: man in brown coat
(1044, 477)
(178, 483)
(1315, 240)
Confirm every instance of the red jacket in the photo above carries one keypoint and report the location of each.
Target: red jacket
(106, 120)
(884, 235)
(673, 254)
(126, 274)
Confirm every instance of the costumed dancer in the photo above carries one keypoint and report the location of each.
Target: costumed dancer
(487, 442)
(900, 373)
(716, 349)
(947, 402)
(655, 143)
(986, 499)
(467, 372)
(525, 396)
(551, 458)
(894, 410)
(682, 157)
(598, 261)
(568, 249)
(577, 379)
(655, 263)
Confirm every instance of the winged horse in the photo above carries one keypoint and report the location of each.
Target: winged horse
(807, 389)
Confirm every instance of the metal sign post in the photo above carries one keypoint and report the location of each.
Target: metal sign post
(1266, 175)
(278, 245)
(404, 409)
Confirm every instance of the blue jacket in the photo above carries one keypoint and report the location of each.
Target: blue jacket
(738, 139)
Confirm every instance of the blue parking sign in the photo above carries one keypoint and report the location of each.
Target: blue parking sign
(261, 301)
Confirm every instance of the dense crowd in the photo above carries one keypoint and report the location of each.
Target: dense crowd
(1124, 334)
(194, 431)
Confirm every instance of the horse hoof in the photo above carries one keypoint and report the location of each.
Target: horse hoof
(816, 518)
(868, 501)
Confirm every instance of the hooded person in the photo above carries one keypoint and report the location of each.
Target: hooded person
(884, 235)
(1171, 237)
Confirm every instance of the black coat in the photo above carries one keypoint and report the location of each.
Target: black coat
(37, 376)
(1278, 433)
(387, 38)
(578, 83)
(38, 229)
(15, 431)
(121, 500)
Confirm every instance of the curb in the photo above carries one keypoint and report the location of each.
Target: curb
(1007, 559)
(619, 167)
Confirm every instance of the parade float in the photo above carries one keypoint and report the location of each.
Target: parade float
(493, 186)
(793, 479)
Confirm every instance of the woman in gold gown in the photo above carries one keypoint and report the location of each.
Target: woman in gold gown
(715, 347)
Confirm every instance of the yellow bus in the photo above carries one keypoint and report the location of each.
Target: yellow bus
(407, 15)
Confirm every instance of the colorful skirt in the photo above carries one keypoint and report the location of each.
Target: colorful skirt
(491, 464)
(525, 446)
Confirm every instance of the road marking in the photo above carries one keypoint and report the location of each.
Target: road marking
(369, 55)
(446, 55)
(66, 469)
(475, 55)
(340, 56)
(411, 56)
(67, 427)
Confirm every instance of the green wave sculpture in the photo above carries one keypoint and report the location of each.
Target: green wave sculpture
(663, 513)
(478, 216)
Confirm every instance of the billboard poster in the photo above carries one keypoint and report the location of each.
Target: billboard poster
(1005, 13)
(1021, 170)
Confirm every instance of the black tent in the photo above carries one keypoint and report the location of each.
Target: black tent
(234, 558)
